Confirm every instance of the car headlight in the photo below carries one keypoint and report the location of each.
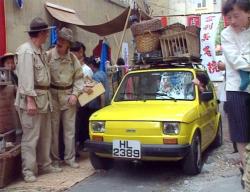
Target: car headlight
(171, 128)
(98, 126)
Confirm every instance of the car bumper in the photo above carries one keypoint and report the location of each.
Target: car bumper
(146, 149)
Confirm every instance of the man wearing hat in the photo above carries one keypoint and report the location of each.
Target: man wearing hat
(33, 101)
(66, 85)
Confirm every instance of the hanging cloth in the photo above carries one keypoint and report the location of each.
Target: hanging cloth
(105, 55)
(53, 36)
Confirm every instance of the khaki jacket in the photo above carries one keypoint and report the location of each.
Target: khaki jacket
(65, 72)
(32, 72)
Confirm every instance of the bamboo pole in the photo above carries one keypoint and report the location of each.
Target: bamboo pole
(123, 34)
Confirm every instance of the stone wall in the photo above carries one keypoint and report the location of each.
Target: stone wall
(90, 11)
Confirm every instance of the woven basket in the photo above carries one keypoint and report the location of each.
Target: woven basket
(146, 26)
(147, 42)
(180, 44)
(176, 27)
(10, 165)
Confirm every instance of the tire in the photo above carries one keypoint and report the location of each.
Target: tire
(218, 141)
(100, 162)
(192, 162)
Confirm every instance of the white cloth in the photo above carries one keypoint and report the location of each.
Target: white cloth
(236, 49)
(87, 71)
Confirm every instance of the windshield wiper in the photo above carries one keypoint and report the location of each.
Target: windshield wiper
(160, 94)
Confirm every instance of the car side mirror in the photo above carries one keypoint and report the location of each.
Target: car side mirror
(206, 96)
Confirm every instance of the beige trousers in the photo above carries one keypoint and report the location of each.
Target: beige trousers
(36, 141)
(67, 118)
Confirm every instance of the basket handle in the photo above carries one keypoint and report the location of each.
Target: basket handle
(147, 31)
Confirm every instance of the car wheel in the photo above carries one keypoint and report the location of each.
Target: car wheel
(100, 162)
(218, 141)
(192, 162)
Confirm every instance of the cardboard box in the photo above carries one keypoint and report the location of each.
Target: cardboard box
(84, 98)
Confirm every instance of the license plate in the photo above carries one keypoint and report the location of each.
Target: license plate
(127, 149)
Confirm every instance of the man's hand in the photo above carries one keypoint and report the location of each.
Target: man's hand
(72, 100)
(31, 106)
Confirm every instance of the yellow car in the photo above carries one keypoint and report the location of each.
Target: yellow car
(157, 115)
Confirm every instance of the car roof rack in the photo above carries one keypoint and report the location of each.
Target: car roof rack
(173, 62)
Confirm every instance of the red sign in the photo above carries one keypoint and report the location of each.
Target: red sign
(2, 29)
(164, 21)
(194, 20)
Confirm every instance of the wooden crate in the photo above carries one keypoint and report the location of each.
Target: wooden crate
(9, 136)
(180, 44)
(7, 109)
(10, 165)
(5, 76)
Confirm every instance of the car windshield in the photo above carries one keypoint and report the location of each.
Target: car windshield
(165, 85)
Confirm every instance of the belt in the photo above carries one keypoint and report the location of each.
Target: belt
(41, 87)
(60, 87)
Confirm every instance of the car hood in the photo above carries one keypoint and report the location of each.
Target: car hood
(146, 111)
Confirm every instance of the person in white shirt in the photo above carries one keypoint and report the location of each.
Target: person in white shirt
(83, 113)
(235, 40)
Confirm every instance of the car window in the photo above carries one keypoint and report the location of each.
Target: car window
(165, 85)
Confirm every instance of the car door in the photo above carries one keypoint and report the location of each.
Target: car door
(208, 110)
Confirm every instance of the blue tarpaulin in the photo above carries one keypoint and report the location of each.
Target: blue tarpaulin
(53, 36)
(104, 56)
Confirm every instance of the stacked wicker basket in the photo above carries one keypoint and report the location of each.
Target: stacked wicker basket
(174, 42)
(10, 155)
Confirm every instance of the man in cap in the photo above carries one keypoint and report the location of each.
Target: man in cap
(66, 85)
(33, 101)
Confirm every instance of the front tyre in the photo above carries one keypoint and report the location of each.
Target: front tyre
(218, 141)
(192, 162)
(100, 162)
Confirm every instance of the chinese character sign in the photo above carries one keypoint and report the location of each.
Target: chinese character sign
(209, 26)
(194, 20)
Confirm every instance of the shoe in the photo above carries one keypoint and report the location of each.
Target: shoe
(50, 169)
(29, 177)
(72, 164)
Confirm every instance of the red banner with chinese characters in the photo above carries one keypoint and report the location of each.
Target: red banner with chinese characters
(209, 27)
(2, 29)
(194, 20)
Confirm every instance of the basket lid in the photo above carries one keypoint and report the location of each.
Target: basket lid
(146, 26)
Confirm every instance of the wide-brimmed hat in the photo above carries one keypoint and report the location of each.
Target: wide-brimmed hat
(66, 33)
(38, 24)
(5, 56)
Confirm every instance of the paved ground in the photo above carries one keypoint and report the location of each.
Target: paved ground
(220, 174)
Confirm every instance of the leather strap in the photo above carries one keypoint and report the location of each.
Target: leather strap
(61, 87)
(41, 87)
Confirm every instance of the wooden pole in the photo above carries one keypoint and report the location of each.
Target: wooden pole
(123, 34)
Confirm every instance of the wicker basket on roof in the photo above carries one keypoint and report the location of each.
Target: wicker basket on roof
(147, 35)
(147, 42)
(176, 27)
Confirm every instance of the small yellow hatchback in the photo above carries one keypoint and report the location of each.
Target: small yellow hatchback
(157, 115)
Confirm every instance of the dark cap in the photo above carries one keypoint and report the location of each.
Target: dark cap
(38, 24)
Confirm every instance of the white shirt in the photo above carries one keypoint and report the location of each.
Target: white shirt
(87, 71)
(236, 49)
